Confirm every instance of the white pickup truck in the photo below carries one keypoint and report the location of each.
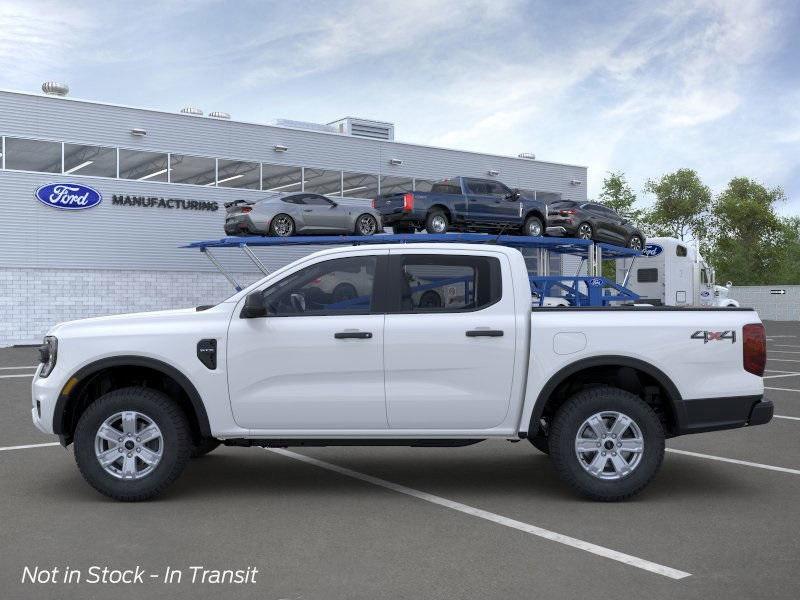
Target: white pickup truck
(287, 363)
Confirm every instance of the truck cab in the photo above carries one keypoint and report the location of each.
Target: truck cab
(670, 272)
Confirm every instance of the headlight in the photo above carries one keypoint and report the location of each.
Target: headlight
(48, 352)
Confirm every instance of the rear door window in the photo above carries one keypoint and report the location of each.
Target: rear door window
(647, 275)
(441, 283)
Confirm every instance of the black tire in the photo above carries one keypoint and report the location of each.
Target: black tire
(533, 227)
(568, 423)
(344, 291)
(632, 242)
(361, 230)
(176, 439)
(403, 228)
(204, 446)
(430, 299)
(540, 442)
(434, 219)
(276, 226)
(585, 227)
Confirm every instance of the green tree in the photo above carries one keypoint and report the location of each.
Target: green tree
(618, 195)
(751, 244)
(681, 206)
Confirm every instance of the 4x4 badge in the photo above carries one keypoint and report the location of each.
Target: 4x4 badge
(711, 336)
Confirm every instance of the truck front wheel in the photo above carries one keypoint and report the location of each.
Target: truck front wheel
(606, 443)
(436, 222)
(131, 443)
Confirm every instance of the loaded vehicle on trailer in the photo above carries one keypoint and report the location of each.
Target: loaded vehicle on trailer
(284, 215)
(593, 221)
(670, 272)
(278, 364)
(464, 204)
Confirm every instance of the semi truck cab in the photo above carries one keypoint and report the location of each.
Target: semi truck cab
(670, 272)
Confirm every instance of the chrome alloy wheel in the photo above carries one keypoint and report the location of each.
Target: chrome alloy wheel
(282, 226)
(439, 224)
(635, 243)
(534, 228)
(585, 231)
(367, 225)
(609, 445)
(128, 445)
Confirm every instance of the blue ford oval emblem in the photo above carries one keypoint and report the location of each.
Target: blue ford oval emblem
(68, 196)
(652, 250)
(595, 282)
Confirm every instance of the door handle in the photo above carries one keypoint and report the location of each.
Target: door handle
(485, 333)
(357, 335)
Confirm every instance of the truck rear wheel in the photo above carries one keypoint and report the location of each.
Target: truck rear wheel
(533, 227)
(606, 443)
(132, 443)
(436, 222)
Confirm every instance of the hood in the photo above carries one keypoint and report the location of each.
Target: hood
(118, 322)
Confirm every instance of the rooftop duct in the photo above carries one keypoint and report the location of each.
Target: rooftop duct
(527, 155)
(191, 110)
(219, 115)
(376, 130)
(53, 88)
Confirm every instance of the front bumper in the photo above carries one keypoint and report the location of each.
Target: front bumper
(712, 414)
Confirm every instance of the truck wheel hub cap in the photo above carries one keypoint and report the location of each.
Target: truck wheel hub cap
(128, 445)
(609, 445)
(438, 223)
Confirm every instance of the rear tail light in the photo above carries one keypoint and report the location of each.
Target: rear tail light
(374, 202)
(246, 209)
(754, 348)
(570, 211)
(408, 202)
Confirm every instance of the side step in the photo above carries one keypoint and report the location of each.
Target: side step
(316, 442)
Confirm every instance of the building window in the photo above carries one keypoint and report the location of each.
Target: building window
(396, 185)
(195, 170)
(320, 181)
(238, 174)
(98, 161)
(423, 185)
(143, 166)
(280, 178)
(33, 155)
(359, 185)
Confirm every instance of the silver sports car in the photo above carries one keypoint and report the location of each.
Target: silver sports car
(300, 213)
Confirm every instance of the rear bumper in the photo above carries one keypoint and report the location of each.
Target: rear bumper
(712, 414)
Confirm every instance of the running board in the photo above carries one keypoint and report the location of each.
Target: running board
(287, 443)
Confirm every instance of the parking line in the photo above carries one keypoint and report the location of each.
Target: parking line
(784, 375)
(781, 389)
(786, 417)
(783, 359)
(495, 518)
(735, 461)
(19, 375)
(17, 368)
(785, 346)
(784, 351)
(29, 446)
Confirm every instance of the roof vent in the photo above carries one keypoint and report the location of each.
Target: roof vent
(192, 110)
(376, 130)
(527, 155)
(219, 115)
(53, 88)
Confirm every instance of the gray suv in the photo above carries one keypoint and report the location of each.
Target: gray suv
(284, 215)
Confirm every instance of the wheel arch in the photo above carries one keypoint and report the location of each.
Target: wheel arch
(628, 373)
(535, 212)
(444, 208)
(114, 372)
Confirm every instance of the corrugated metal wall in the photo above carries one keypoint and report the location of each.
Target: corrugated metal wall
(770, 303)
(125, 237)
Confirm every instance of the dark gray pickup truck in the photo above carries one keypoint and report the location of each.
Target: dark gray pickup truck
(463, 204)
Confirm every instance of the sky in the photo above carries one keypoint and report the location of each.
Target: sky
(639, 87)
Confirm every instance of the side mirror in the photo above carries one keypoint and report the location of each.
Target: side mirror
(729, 284)
(513, 196)
(253, 307)
(334, 204)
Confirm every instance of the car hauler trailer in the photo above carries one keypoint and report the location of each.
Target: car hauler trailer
(669, 272)
(591, 289)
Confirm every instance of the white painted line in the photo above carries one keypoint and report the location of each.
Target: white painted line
(785, 346)
(783, 351)
(769, 337)
(735, 461)
(783, 359)
(17, 368)
(20, 375)
(3, 449)
(495, 518)
(781, 389)
(778, 371)
(784, 375)
(786, 417)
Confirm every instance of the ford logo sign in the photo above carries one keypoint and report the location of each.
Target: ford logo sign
(68, 196)
(595, 282)
(652, 250)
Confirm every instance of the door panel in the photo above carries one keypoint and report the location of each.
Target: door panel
(446, 365)
(316, 361)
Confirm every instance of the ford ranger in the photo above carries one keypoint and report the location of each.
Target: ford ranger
(464, 204)
(286, 362)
